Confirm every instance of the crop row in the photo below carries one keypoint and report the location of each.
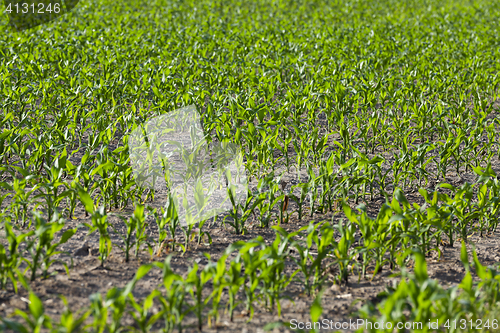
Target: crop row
(355, 244)
(416, 99)
(112, 184)
(468, 208)
(257, 275)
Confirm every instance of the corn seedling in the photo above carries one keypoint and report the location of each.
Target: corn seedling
(11, 258)
(99, 223)
(42, 248)
(36, 319)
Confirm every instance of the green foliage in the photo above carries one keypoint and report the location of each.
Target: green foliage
(35, 318)
(10, 257)
(358, 99)
(419, 300)
(42, 248)
(71, 322)
(100, 223)
(140, 227)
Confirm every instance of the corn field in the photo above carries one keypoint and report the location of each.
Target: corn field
(342, 165)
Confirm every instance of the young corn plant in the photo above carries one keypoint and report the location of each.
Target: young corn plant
(35, 318)
(272, 272)
(51, 185)
(233, 281)
(127, 238)
(420, 227)
(99, 223)
(238, 222)
(143, 318)
(323, 245)
(301, 199)
(21, 200)
(218, 270)
(310, 263)
(140, 227)
(73, 196)
(326, 170)
(313, 189)
(444, 213)
(173, 303)
(195, 283)
(162, 224)
(271, 199)
(343, 254)
(464, 209)
(114, 303)
(202, 234)
(252, 202)
(366, 227)
(42, 248)
(70, 321)
(305, 256)
(252, 262)
(168, 221)
(11, 258)
(414, 293)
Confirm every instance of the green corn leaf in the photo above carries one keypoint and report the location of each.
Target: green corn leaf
(87, 201)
